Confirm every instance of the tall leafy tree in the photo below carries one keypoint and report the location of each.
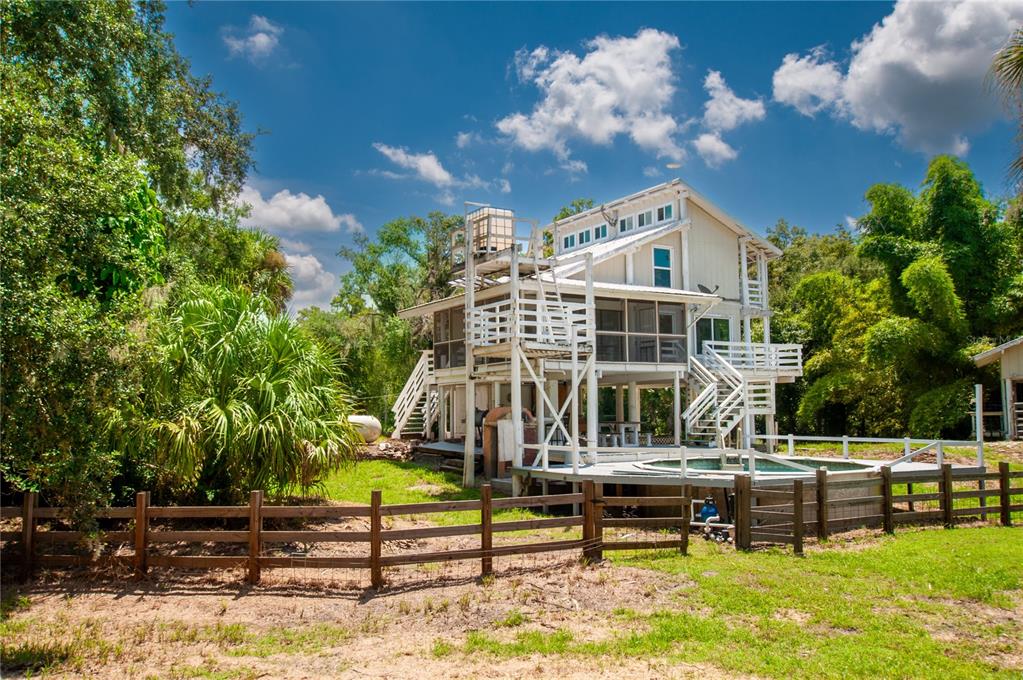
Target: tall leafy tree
(237, 398)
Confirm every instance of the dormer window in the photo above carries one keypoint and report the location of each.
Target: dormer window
(664, 213)
(569, 242)
(599, 232)
(646, 218)
(584, 237)
(626, 224)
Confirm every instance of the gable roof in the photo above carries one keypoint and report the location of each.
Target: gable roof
(575, 261)
(697, 198)
(993, 355)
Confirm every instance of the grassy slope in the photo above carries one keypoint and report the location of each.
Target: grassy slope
(408, 483)
(931, 603)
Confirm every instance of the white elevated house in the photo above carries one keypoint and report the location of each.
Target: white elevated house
(659, 289)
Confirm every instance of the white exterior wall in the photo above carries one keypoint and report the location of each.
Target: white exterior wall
(1012, 363)
(713, 254)
(652, 202)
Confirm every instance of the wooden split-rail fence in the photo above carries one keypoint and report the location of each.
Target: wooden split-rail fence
(588, 514)
(826, 505)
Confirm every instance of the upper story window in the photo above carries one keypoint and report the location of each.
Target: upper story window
(645, 219)
(712, 329)
(599, 232)
(662, 267)
(569, 242)
(664, 213)
(584, 237)
(626, 224)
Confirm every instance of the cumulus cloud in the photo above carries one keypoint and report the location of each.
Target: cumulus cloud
(256, 41)
(313, 285)
(288, 212)
(918, 74)
(426, 166)
(713, 150)
(808, 83)
(724, 110)
(619, 86)
(504, 185)
(651, 171)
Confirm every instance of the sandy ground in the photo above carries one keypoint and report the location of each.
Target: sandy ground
(392, 633)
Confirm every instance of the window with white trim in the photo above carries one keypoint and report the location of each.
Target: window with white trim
(664, 213)
(712, 329)
(645, 219)
(626, 224)
(584, 236)
(599, 232)
(662, 267)
(569, 242)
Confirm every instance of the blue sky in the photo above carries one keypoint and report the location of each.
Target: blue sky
(372, 111)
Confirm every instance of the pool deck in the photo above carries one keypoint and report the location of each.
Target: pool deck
(638, 472)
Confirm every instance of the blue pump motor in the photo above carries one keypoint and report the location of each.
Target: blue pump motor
(709, 509)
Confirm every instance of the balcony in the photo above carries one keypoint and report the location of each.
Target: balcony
(760, 358)
(543, 326)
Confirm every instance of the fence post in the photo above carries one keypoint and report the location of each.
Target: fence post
(598, 522)
(792, 444)
(588, 531)
(946, 494)
(687, 511)
(376, 573)
(141, 528)
(845, 446)
(1003, 492)
(822, 504)
(28, 528)
(742, 512)
(486, 522)
(797, 516)
(886, 501)
(255, 534)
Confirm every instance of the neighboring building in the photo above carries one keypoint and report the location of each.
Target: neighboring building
(657, 289)
(1010, 358)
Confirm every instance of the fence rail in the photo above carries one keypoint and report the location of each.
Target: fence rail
(887, 499)
(142, 535)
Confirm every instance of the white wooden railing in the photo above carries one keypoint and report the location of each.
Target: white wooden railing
(755, 293)
(759, 356)
(415, 387)
(548, 322)
(908, 451)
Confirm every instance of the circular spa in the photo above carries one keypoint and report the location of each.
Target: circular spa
(736, 463)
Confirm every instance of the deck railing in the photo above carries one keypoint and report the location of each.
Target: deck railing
(760, 356)
(547, 322)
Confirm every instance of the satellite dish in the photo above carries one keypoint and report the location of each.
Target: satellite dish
(704, 289)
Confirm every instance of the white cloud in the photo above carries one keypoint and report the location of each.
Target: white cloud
(651, 171)
(466, 139)
(445, 198)
(724, 110)
(918, 74)
(504, 185)
(295, 246)
(254, 42)
(852, 222)
(808, 83)
(313, 285)
(713, 150)
(620, 86)
(507, 168)
(288, 212)
(426, 165)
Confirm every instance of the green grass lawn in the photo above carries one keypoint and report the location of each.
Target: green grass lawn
(929, 603)
(407, 482)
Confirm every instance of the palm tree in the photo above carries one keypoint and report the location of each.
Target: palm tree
(240, 398)
(1007, 76)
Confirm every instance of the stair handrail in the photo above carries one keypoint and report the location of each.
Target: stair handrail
(410, 394)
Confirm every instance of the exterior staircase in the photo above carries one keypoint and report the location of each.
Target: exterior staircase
(731, 380)
(415, 409)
